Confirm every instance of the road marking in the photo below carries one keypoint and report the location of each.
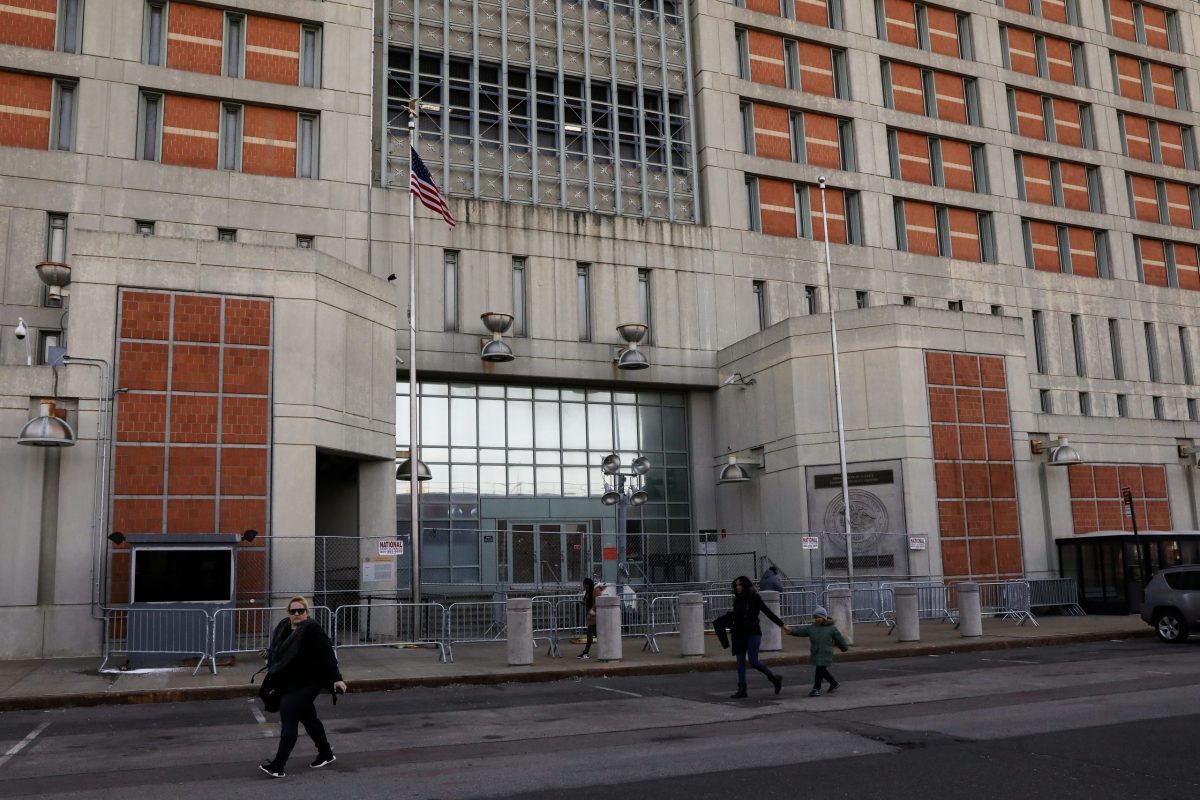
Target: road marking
(1010, 661)
(618, 691)
(19, 746)
(262, 721)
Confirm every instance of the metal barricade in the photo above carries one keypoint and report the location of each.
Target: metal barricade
(933, 601)
(1006, 600)
(716, 603)
(867, 598)
(248, 630)
(1056, 592)
(485, 621)
(796, 607)
(664, 616)
(157, 632)
(545, 624)
(395, 625)
(636, 620)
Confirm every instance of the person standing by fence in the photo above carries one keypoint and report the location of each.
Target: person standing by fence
(300, 664)
(822, 635)
(742, 623)
(590, 592)
(770, 580)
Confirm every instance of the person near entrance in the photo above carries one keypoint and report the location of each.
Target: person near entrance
(300, 664)
(590, 592)
(742, 623)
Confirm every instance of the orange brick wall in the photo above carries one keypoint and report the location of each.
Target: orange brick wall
(920, 223)
(901, 22)
(1154, 261)
(25, 110)
(1068, 126)
(816, 69)
(190, 131)
(1030, 121)
(914, 157)
(777, 206)
(821, 140)
(907, 93)
(1162, 77)
(956, 165)
(1055, 10)
(772, 132)
(973, 466)
(1170, 137)
(1045, 246)
(1021, 55)
(943, 31)
(269, 144)
(1129, 77)
(764, 6)
(1096, 503)
(1187, 265)
(195, 35)
(29, 23)
(1154, 20)
(814, 12)
(951, 97)
(964, 234)
(1083, 252)
(766, 58)
(835, 203)
(272, 50)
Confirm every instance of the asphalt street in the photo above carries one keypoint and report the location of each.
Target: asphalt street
(1097, 721)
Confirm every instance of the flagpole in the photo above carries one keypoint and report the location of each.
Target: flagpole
(414, 405)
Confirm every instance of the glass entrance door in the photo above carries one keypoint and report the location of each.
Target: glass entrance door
(549, 554)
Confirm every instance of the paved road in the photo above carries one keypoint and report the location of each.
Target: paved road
(1099, 721)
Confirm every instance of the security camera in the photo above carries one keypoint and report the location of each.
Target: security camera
(22, 329)
(391, 277)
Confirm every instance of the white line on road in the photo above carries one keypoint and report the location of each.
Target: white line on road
(262, 721)
(1010, 661)
(618, 691)
(19, 746)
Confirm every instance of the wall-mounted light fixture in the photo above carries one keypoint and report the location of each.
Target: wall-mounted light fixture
(736, 379)
(46, 429)
(1062, 454)
(116, 537)
(54, 274)
(630, 357)
(249, 535)
(496, 349)
(735, 470)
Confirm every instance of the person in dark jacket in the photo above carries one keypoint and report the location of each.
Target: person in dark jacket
(770, 580)
(590, 592)
(300, 665)
(742, 623)
(822, 636)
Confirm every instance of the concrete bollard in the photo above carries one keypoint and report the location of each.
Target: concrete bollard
(908, 623)
(691, 624)
(772, 637)
(970, 621)
(519, 613)
(608, 628)
(841, 608)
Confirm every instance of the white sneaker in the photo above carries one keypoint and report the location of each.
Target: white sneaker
(584, 655)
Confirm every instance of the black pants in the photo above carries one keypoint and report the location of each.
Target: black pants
(591, 637)
(296, 708)
(823, 674)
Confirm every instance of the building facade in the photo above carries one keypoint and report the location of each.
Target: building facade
(1011, 202)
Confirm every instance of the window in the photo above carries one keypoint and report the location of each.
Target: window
(304, 242)
(796, 134)
(954, 305)
(752, 200)
(1103, 260)
(936, 168)
(1174, 38)
(804, 211)
(966, 49)
(70, 26)
(56, 250)
(743, 51)
(518, 296)
(929, 93)
(841, 75)
(154, 34)
(997, 311)
(1095, 191)
(1044, 401)
(922, 18)
(62, 116)
(150, 127)
(308, 145)
(1190, 160)
(971, 93)
(1193, 409)
(583, 301)
(1160, 410)
(1114, 345)
(945, 245)
(846, 145)
(908, 300)
(1064, 249)
(893, 141)
(760, 303)
(310, 56)
(810, 300)
(1079, 65)
(900, 224)
(1077, 342)
(235, 45)
(852, 204)
(145, 227)
(862, 300)
(450, 290)
(837, 19)
(227, 234)
(748, 129)
(787, 9)
(1085, 404)
(1039, 341)
(889, 98)
(645, 303)
(979, 169)
(230, 157)
(987, 237)
(1152, 352)
(46, 341)
(1185, 353)
(791, 64)
(1122, 405)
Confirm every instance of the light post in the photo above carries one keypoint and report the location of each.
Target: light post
(623, 489)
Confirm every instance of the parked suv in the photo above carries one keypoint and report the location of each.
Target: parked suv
(1172, 603)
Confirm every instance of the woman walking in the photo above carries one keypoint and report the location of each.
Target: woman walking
(590, 592)
(300, 664)
(742, 622)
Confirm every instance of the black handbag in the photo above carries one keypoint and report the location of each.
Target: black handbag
(268, 692)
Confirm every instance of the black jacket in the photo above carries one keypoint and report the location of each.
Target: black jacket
(314, 664)
(742, 622)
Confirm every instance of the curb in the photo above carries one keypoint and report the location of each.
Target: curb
(201, 693)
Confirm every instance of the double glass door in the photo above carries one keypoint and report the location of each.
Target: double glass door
(550, 553)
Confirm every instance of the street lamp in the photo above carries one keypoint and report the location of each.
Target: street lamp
(623, 489)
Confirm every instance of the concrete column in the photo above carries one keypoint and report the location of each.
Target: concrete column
(970, 621)
(691, 624)
(908, 624)
(841, 608)
(519, 613)
(772, 639)
(608, 628)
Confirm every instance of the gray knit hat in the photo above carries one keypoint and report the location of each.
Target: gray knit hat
(820, 612)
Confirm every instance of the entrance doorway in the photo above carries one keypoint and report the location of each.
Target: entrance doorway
(550, 553)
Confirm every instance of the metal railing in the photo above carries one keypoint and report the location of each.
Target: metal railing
(933, 601)
(1056, 592)
(1006, 600)
(248, 630)
(396, 625)
(157, 632)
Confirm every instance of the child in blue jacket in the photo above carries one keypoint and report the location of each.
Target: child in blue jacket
(823, 635)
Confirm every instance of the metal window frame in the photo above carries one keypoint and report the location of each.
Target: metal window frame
(1062, 238)
(311, 144)
(46, 339)
(144, 100)
(742, 40)
(1185, 355)
(1122, 405)
(60, 118)
(229, 111)
(1005, 53)
(451, 288)
(941, 217)
(1019, 169)
(885, 72)
(1174, 35)
(893, 145)
(646, 302)
(1091, 174)
(929, 93)
(937, 173)
(987, 237)
(921, 20)
(583, 298)
(1039, 56)
(68, 33)
(753, 204)
(1160, 408)
(791, 65)
(520, 295)
(230, 49)
(1057, 196)
(748, 144)
(144, 227)
(163, 9)
(971, 100)
(305, 242)
(313, 52)
(847, 156)
(1153, 364)
(1079, 65)
(1013, 122)
(1038, 322)
(1114, 347)
(797, 135)
(901, 224)
(1085, 404)
(1103, 256)
(803, 211)
(812, 301)
(1170, 265)
(759, 289)
(1027, 243)
(862, 299)
(227, 234)
(1078, 345)
(979, 173)
(966, 44)
(839, 61)
(835, 15)
(852, 208)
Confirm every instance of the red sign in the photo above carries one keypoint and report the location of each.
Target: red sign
(610, 554)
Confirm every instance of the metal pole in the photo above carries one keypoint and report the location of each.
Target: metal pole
(414, 483)
(837, 396)
(622, 525)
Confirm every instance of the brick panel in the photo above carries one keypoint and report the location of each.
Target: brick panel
(1170, 138)
(1129, 77)
(1121, 14)
(1083, 252)
(1044, 236)
(835, 203)
(821, 145)
(269, 142)
(1067, 125)
(25, 110)
(1021, 54)
(907, 94)
(920, 225)
(901, 22)
(939, 369)
(251, 577)
(238, 515)
(777, 206)
(145, 315)
(943, 31)
(766, 58)
(1038, 188)
(951, 97)
(1154, 21)
(193, 470)
(138, 470)
(1023, 6)
(816, 69)
(28, 23)
(197, 318)
(1154, 261)
(956, 166)
(814, 12)
(964, 234)
(914, 157)
(1137, 139)
(1096, 503)
(1054, 10)
(191, 126)
(119, 573)
(143, 365)
(131, 515)
(1030, 121)
(141, 417)
(246, 371)
(1145, 198)
(1162, 79)
(1075, 186)
(194, 38)
(1058, 60)
(1179, 208)
(772, 132)
(191, 516)
(195, 368)
(247, 321)
(273, 50)
(1186, 266)
(764, 6)
(194, 418)
(244, 420)
(244, 471)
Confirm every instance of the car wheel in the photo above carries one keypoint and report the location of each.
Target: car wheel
(1170, 626)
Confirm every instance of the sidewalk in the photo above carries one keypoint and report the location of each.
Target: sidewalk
(56, 683)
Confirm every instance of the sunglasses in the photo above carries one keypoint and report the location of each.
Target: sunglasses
(297, 611)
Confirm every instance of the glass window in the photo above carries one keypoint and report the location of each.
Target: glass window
(1077, 341)
(450, 290)
(743, 50)
(155, 34)
(1152, 352)
(1185, 353)
(748, 128)
(1039, 341)
(1114, 344)
(841, 75)
(310, 56)
(307, 146)
(149, 126)
(145, 227)
(231, 137)
(1122, 405)
(520, 423)
(62, 131)
(752, 200)
(760, 303)
(226, 234)
(646, 303)
(70, 25)
(583, 301)
(518, 296)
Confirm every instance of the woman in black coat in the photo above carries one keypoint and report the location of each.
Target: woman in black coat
(300, 664)
(742, 623)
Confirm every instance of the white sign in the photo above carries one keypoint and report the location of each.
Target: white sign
(379, 568)
(391, 547)
(710, 548)
(917, 543)
(810, 542)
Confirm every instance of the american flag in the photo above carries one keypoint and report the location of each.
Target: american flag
(420, 183)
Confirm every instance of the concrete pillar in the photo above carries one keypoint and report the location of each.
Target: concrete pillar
(691, 624)
(970, 621)
(519, 613)
(608, 628)
(841, 608)
(908, 624)
(772, 639)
